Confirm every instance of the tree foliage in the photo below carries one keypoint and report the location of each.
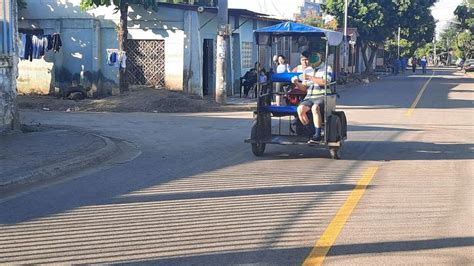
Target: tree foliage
(377, 22)
(459, 36)
(314, 20)
(465, 15)
(21, 4)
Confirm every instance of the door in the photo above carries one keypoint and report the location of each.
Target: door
(208, 67)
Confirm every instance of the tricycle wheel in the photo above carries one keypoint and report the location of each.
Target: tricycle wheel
(258, 149)
(335, 153)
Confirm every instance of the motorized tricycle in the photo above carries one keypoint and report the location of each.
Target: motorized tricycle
(276, 123)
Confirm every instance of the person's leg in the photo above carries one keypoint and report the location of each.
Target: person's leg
(316, 109)
(302, 110)
(246, 88)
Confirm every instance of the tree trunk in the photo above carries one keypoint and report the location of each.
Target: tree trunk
(122, 39)
(368, 62)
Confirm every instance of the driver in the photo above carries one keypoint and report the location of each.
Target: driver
(312, 82)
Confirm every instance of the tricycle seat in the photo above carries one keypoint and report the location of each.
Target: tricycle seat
(281, 110)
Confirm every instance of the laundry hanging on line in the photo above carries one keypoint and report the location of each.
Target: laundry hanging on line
(33, 46)
(116, 58)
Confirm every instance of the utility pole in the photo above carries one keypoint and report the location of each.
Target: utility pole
(398, 42)
(222, 32)
(435, 58)
(345, 36)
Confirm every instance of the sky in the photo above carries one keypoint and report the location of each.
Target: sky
(442, 10)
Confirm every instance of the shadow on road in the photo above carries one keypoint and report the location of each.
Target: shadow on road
(276, 256)
(441, 93)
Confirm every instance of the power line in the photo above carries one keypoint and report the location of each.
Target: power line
(277, 10)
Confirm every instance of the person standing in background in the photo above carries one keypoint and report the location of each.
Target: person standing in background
(423, 64)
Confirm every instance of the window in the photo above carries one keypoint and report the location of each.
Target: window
(247, 54)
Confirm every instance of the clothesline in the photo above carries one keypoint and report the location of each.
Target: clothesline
(116, 58)
(34, 46)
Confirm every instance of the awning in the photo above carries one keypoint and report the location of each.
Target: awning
(292, 28)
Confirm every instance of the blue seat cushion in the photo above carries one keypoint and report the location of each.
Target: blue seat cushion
(284, 77)
(281, 110)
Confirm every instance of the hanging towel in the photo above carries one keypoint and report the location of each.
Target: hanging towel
(29, 47)
(35, 46)
(57, 43)
(50, 42)
(111, 57)
(117, 62)
(21, 46)
(123, 61)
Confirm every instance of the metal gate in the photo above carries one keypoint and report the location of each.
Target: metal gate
(146, 62)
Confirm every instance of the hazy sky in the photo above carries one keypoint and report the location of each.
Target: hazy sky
(442, 11)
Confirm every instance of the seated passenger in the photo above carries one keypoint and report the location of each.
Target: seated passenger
(313, 84)
(249, 80)
(282, 67)
(304, 63)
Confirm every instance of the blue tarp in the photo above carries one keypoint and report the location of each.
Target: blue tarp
(293, 28)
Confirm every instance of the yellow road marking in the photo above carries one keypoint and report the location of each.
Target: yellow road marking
(322, 246)
(417, 99)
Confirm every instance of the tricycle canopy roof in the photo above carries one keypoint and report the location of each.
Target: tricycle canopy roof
(292, 28)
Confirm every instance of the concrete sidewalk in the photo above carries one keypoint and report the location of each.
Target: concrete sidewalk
(41, 153)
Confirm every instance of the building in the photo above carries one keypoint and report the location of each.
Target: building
(9, 118)
(172, 48)
(309, 8)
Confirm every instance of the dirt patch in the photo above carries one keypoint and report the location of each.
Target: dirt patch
(140, 99)
(146, 99)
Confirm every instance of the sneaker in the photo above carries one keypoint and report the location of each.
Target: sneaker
(315, 139)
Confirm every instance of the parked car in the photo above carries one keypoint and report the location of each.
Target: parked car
(468, 65)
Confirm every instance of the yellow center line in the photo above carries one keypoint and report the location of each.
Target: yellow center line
(322, 246)
(417, 99)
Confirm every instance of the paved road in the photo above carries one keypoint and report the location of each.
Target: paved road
(196, 195)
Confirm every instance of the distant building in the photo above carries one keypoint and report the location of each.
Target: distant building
(309, 8)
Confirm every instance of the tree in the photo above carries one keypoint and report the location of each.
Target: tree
(21, 4)
(122, 7)
(314, 20)
(465, 15)
(463, 32)
(369, 19)
(377, 22)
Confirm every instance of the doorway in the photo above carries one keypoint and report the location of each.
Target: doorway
(208, 67)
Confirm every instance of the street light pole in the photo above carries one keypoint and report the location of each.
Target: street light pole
(345, 36)
(398, 42)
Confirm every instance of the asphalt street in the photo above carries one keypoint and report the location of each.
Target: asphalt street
(401, 194)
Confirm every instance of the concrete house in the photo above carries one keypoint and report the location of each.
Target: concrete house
(8, 68)
(172, 48)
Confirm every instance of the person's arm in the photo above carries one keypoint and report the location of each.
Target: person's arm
(321, 82)
(299, 85)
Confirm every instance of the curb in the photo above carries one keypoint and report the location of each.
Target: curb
(66, 167)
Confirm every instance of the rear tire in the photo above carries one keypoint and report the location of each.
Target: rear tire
(257, 148)
(342, 117)
(334, 129)
(335, 153)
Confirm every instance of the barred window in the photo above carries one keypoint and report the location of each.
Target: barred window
(247, 54)
(6, 27)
